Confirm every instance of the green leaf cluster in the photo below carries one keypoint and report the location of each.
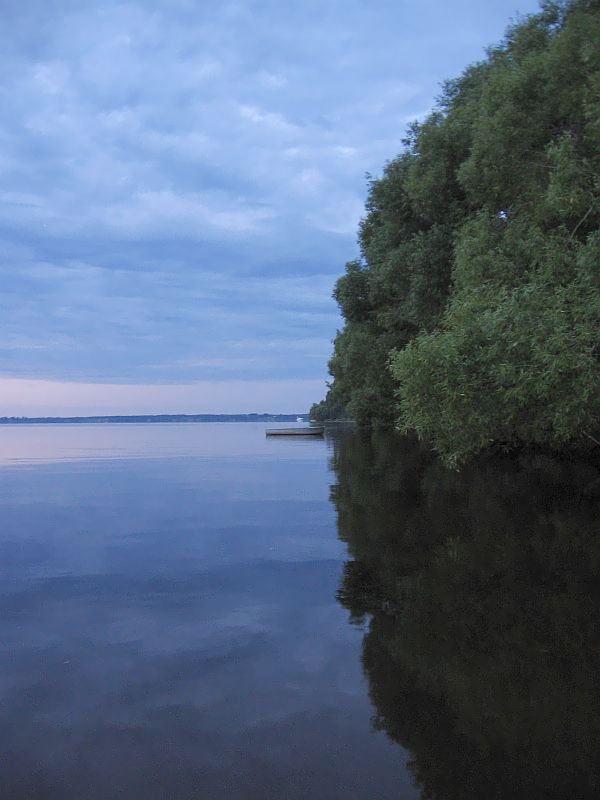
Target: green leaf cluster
(473, 313)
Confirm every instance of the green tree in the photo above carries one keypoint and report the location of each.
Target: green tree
(516, 355)
(401, 282)
(329, 408)
(472, 313)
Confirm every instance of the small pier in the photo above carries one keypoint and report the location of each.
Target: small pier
(313, 430)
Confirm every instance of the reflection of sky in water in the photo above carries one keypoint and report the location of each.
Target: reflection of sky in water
(34, 443)
(168, 627)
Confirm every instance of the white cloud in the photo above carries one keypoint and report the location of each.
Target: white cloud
(52, 78)
(271, 80)
(164, 211)
(271, 120)
(341, 218)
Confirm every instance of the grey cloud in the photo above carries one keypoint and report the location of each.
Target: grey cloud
(177, 178)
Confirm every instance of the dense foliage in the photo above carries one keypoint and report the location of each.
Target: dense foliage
(328, 409)
(473, 314)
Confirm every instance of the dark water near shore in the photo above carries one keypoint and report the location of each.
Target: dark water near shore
(196, 611)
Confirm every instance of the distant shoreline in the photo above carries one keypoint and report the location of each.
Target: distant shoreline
(140, 418)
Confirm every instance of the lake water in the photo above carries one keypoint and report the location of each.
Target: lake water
(168, 620)
(198, 611)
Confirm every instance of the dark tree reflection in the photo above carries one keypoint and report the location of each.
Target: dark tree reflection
(482, 591)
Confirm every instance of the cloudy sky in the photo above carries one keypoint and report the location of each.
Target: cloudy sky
(181, 182)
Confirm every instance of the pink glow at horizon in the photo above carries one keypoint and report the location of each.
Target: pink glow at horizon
(40, 398)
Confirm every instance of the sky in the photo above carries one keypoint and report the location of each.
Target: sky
(181, 184)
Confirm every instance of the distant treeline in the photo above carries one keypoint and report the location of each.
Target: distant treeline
(157, 418)
(473, 313)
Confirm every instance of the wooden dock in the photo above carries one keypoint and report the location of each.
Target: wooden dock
(313, 430)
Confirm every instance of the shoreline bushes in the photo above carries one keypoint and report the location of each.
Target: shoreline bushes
(473, 314)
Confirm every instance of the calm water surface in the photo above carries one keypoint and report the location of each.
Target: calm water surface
(168, 620)
(197, 611)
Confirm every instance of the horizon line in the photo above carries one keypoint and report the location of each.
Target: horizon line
(162, 417)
